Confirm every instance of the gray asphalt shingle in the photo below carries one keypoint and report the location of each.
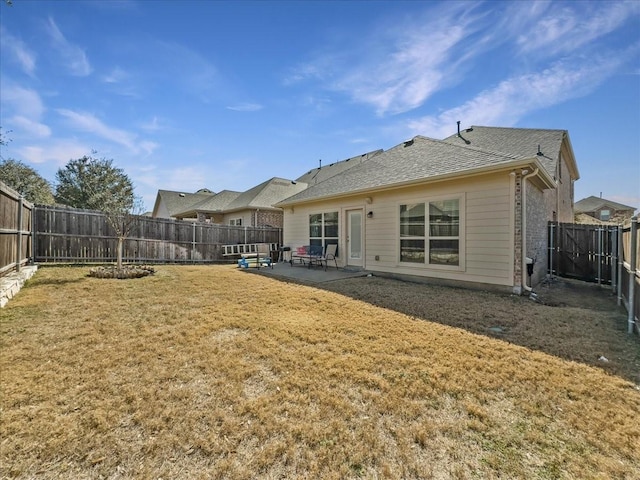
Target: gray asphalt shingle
(419, 158)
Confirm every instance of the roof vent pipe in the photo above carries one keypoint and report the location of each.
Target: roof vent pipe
(458, 127)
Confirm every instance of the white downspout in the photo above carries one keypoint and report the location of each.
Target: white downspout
(525, 177)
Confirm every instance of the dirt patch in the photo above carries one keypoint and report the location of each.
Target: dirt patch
(573, 320)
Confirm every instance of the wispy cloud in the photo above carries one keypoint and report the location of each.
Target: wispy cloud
(89, 123)
(24, 109)
(74, 58)
(563, 28)
(23, 101)
(30, 127)
(117, 75)
(17, 49)
(246, 107)
(58, 152)
(520, 95)
(398, 69)
(153, 125)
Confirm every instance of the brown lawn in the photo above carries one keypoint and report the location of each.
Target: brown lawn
(213, 372)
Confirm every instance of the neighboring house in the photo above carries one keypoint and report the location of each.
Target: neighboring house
(603, 210)
(169, 202)
(210, 210)
(253, 208)
(470, 208)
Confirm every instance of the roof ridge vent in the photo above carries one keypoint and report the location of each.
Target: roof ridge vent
(408, 143)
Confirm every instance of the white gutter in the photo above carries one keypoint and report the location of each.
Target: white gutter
(525, 177)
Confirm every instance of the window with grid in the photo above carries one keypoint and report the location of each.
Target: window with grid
(323, 229)
(432, 239)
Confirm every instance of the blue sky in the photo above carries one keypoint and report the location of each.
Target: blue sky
(225, 95)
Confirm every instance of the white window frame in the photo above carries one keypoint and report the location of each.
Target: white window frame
(460, 197)
(323, 237)
(235, 222)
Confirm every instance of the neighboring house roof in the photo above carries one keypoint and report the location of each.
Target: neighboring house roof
(321, 174)
(215, 203)
(591, 204)
(266, 195)
(410, 162)
(524, 142)
(173, 202)
(584, 219)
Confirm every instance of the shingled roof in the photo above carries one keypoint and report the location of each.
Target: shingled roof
(175, 202)
(216, 203)
(418, 159)
(321, 174)
(591, 204)
(523, 142)
(266, 195)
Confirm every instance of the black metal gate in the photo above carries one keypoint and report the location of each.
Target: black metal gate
(583, 252)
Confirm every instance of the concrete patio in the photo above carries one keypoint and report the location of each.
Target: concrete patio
(303, 274)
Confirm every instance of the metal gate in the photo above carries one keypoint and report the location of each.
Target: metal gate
(583, 252)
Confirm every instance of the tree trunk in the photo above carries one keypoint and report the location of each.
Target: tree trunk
(120, 247)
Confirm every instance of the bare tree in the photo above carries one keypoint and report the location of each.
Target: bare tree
(96, 184)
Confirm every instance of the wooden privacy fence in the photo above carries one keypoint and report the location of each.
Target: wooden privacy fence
(15, 230)
(629, 273)
(73, 235)
(583, 252)
(606, 254)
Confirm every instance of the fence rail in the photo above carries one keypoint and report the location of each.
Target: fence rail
(82, 236)
(15, 230)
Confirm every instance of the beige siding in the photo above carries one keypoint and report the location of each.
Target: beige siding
(245, 215)
(486, 231)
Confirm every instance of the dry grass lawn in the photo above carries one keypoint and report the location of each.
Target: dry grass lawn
(213, 372)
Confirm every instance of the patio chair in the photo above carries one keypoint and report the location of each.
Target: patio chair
(329, 254)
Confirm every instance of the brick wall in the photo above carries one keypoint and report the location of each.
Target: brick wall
(517, 238)
(270, 218)
(537, 240)
(538, 211)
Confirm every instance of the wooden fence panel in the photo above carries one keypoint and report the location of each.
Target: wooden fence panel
(584, 252)
(73, 235)
(15, 230)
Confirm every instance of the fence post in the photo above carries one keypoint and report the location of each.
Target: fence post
(193, 242)
(620, 261)
(632, 274)
(599, 256)
(613, 259)
(19, 249)
(551, 247)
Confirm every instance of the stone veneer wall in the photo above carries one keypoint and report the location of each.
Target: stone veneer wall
(11, 284)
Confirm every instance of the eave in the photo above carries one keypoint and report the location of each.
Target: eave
(542, 180)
